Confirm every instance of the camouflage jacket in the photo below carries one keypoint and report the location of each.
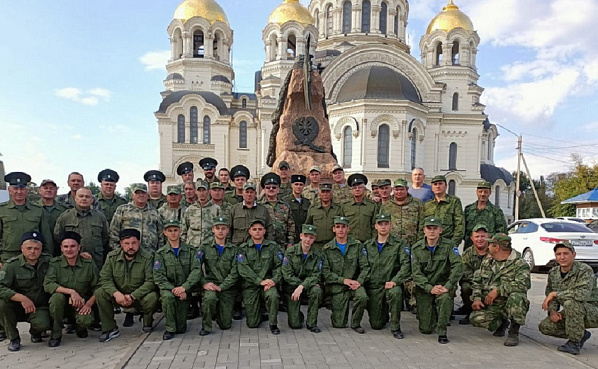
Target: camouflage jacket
(285, 190)
(197, 223)
(109, 206)
(282, 221)
(157, 203)
(579, 284)
(506, 276)
(471, 262)
(168, 213)
(341, 194)
(312, 194)
(405, 218)
(146, 220)
(442, 266)
(491, 216)
(450, 211)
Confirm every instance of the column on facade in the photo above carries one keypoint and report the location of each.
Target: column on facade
(282, 44)
(356, 13)
(375, 19)
(208, 45)
(187, 45)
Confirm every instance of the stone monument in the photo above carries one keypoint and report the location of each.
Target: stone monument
(300, 129)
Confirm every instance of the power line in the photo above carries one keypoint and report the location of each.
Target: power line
(546, 157)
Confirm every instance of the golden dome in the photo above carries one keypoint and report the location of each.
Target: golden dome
(207, 9)
(450, 18)
(291, 10)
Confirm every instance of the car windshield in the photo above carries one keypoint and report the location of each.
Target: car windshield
(565, 227)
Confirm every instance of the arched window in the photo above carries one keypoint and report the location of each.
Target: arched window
(456, 101)
(366, 13)
(243, 135)
(193, 114)
(413, 147)
(383, 146)
(497, 195)
(438, 54)
(244, 103)
(383, 18)
(291, 46)
(180, 137)
(317, 18)
(396, 25)
(455, 53)
(329, 22)
(215, 47)
(452, 187)
(453, 156)
(347, 15)
(206, 130)
(347, 147)
(198, 44)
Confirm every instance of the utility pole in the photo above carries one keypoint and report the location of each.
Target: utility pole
(518, 183)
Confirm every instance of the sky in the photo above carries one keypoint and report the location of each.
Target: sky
(82, 79)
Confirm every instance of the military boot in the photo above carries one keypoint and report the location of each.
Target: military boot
(570, 347)
(513, 338)
(586, 336)
(500, 331)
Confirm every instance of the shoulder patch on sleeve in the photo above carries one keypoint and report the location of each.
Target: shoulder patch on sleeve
(407, 251)
(456, 250)
(199, 255)
(240, 258)
(157, 265)
(364, 251)
(285, 261)
(320, 264)
(280, 256)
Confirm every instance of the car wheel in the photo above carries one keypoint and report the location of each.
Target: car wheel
(528, 256)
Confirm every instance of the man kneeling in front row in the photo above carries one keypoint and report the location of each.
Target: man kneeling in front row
(126, 280)
(572, 286)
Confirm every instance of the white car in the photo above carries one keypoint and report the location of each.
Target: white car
(535, 239)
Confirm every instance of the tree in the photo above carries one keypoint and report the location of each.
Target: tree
(579, 180)
(528, 206)
(94, 188)
(128, 193)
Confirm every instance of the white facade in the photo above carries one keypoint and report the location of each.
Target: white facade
(388, 112)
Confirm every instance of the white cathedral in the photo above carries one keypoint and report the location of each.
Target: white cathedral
(388, 112)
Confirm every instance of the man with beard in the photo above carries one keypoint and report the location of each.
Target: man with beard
(209, 169)
(126, 280)
(484, 212)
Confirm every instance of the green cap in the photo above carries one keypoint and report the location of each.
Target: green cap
(173, 189)
(484, 184)
(171, 223)
(384, 182)
(309, 229)
(376, 183)
(341, 220)
(249, 185)
(479, 226)
(432, 221)
(566, 244)
(439, 179)
(500, 238)
(383, 218)
(400, 182)
(316, 168)
(216, 184)
(200, 183)
(221, 220)
(138, 187)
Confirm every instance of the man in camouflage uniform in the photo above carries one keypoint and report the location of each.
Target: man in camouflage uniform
(436, 267)
(500, 290)
(299, 204)
(388, 257)
(47, 190)
(220, 277)
(22, 295)
(311, 192)
(244, 213)
(190, 196)
(284, 171)
(140, 215)
(154, 179)
(90, 224)
(209, 169)
(172, 209)
(405, 212)
(384, 191)
(572, 287)
(484, 212)
(341, 192)
(197, 219)
(345, 270)
(177, 270)
(126, 280)
(18, 216)
(108, 200)
(71, 280)
(360, 211)
(448, 209)
(280, 212)
(259, 262)
(322, 215)
(240, 174)
(75, 181)
(217, 195)
(302, 271)
(472, 260)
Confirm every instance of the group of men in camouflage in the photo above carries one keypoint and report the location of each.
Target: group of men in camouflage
(78, 259)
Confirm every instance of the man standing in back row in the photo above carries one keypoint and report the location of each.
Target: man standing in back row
(447, 209)
(483, 211)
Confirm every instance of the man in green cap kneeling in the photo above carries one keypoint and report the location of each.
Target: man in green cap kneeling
(302, 271)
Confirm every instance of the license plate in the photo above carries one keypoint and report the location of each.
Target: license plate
(582, 242)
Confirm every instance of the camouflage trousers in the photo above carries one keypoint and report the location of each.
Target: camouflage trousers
(577, 316)
(466, 292)
(409, 287)
(514, 308)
